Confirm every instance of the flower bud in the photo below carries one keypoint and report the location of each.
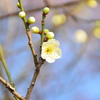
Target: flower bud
(50, 35)
(18, 5)
(35, 29)
(46, 31)
(22, 14)
(46, 10)
(31, 20)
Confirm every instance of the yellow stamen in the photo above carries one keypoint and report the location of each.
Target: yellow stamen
(48, 50)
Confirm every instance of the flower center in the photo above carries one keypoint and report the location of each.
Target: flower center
(48, 50)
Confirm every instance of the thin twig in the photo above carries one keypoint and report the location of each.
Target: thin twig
(36, 73)
(11, 89)
(6, 68)
(31, 46)
(42, 24)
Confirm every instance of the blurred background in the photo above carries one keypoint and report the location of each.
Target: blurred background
(76, 24)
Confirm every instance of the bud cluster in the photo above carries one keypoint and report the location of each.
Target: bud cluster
(47, 34)
(32, 20)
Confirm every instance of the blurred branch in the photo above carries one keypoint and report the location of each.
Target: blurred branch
(83, 20)
(75, 18)
(68, 4)
(47, 3)
(6, 68)
(11, 89)
(80, 54)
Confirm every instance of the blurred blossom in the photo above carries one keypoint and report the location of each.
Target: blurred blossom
(92, 3)
(59, 19)
(97, 32)
(81, 36)
(97, 23)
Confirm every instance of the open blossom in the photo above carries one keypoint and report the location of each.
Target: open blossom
(51, 50)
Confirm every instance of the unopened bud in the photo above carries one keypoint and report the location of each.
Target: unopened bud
(46, 10)
(35, 29)
(46, 31)
(22, 14)
(31, 20)
(18, 5)
(50, 35)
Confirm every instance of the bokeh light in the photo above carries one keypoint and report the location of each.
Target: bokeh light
(81, 36)
(92, 3)
(97, 32)
(59, 19)
(97, 23)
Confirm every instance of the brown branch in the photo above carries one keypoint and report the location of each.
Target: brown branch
(29, 35)
(36, 73)
(11, 89)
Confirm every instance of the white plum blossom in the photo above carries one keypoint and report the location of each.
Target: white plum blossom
(51, 50)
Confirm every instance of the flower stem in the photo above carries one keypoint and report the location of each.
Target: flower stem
(43, 24)
(24, 19)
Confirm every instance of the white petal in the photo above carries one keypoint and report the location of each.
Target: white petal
(51, 42)
(50, 60)
(45, 44)
(59, 52)
(55, 42)
(55, 51)
(44, 55)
